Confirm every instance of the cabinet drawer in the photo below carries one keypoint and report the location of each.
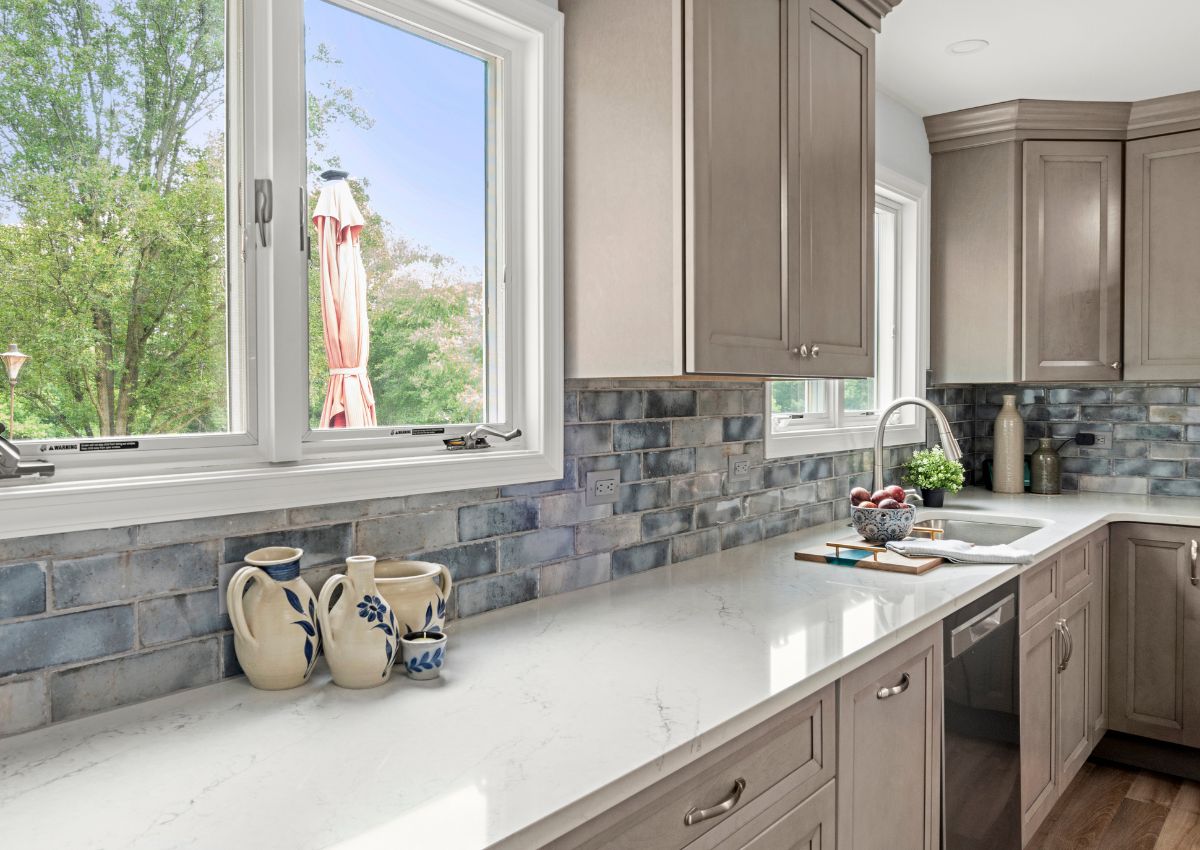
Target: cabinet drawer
(792, 753)
(1039, 593)
(791, 824)
(1075, 570)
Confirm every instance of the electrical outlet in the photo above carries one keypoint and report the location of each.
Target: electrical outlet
(602, 487)
(1102, 441)
(1098, 441)
(739, 467)
(224, 576)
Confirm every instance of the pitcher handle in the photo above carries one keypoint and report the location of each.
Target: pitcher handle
(323, 620)
(447, 583)
(233, 600)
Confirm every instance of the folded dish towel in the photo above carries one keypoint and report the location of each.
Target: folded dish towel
(960, 552)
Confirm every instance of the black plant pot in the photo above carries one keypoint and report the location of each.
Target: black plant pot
(933, 498)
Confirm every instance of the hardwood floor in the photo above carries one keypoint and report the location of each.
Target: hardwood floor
(1114, 808)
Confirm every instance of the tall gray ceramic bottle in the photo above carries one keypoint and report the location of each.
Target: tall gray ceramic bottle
(1008, 455)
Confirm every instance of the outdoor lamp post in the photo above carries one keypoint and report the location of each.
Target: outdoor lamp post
(13, 361)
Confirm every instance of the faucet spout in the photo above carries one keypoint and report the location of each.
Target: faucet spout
(949, 444)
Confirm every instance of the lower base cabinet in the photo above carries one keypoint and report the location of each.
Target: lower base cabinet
(856, 765)
(1062, 674)
(889, 749)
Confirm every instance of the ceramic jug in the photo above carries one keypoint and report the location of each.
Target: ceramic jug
(409, 587)
(359, 630)
(274, 616)
(1008, 437)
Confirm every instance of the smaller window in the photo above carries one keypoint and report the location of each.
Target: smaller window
(838, 414)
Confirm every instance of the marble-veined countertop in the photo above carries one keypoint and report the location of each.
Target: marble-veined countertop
(549, 712)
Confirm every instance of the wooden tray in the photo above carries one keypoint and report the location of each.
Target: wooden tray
(856, 552)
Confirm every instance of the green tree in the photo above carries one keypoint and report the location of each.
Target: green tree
(114, 228)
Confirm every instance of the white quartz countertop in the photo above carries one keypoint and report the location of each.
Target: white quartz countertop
(549, 712)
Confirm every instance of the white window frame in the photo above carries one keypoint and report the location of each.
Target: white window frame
(906, 359)
(277, 460)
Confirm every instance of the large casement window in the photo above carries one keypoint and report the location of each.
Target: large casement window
(274, 253)
(837, 414)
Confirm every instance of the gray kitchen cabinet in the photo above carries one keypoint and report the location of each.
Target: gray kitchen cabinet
(1071, 298)
(1162, 258)
(761, 775)
(719, 185)
(807, 826)
(1025, 255)
(1154, 634)
(1040, 655)
(889, 748)
(1061, 674)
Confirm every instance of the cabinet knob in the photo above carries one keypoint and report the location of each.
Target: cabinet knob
(1116, 364)
(795, 351)
(802, 351)
(816, 350)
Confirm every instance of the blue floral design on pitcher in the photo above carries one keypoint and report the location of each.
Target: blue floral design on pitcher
(312, 641)
(373, 608)
(430, 626)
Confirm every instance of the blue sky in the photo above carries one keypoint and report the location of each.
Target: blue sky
(425, 156)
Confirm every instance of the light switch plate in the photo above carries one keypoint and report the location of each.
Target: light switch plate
(602, 487)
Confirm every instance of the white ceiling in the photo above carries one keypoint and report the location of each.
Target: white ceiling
(1045, 49)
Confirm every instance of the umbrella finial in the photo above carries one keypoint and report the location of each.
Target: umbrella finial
(334, 174)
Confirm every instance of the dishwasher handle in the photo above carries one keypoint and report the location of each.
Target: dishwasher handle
(979, 627)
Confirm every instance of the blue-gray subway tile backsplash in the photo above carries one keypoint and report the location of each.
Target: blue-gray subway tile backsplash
(97, 619)
(22, 590)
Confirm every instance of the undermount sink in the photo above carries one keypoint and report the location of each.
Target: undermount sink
(981, 532)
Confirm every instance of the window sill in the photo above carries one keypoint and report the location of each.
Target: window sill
(818, 441)
(57, 506)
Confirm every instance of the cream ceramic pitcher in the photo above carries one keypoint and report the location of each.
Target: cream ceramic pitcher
(359, 631)
(274, 619)
(409, 587)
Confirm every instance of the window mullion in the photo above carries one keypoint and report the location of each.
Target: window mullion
(282, 347)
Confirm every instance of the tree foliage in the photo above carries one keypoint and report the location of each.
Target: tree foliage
(113, 231)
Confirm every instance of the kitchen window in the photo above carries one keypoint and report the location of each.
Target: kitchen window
(275, 254)
(825, 415)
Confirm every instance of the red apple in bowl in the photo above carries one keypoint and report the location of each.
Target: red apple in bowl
(867, 504)
(879, 495)
(888, 504)
(859, 495)
(896, 492)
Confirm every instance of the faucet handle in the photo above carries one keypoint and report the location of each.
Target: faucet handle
(911, 493)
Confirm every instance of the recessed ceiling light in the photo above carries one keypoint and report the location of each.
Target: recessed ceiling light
(967, 45)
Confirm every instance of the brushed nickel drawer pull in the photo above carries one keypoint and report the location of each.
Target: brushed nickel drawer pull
(696, 816)
(884, 693)
(1070, 644)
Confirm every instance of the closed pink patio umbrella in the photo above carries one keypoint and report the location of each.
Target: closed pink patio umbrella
(349, 400)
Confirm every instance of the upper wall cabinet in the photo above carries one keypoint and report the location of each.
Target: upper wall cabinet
(1162, 258)
(1071, 269)
(719, 187)
(1027, 242)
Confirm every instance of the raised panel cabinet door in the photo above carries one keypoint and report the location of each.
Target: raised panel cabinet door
(1072, 261)
(1098, 637)
(1154, 636)
(1072, 711)
(1162, 257)
(889, 749)
(1040, 655)
(831, 189)
(738, 295)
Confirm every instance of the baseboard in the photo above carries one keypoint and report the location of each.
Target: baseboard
(1145, 754)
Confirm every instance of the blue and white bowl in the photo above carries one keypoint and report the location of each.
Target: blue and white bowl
(877, 525)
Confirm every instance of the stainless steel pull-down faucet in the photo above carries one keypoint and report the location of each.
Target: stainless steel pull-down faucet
(949, 444)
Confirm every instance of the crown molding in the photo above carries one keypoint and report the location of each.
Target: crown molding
(1019, 120)
(1176, 113)
(870, 12)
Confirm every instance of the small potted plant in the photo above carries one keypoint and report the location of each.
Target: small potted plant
(933, 474)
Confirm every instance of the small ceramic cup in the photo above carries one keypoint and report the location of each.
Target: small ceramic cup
(423, 654)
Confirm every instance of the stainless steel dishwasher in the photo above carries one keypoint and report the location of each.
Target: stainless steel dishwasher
(981, 757)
